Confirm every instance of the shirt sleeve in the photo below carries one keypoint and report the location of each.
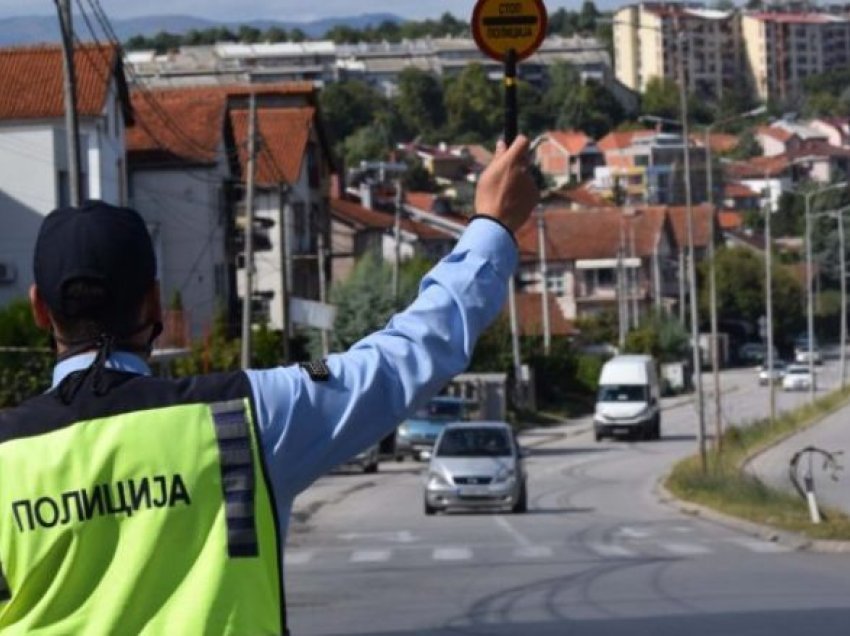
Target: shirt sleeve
(308, 427)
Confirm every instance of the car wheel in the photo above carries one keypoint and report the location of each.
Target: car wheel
(429, 509)
(597, 434)
(371, 468)
(399, 458)
(656, 430)
(521, 504)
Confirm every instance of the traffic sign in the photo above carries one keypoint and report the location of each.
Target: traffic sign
(499, 26)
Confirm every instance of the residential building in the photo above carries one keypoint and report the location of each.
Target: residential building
(646, 46)
(592, 253)
(567, 156)
(189, 165)
(783, 48)
(34, 174)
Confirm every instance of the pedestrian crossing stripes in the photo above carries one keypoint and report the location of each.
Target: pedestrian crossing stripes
(630, 549)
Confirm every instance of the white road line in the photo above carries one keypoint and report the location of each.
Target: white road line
(518, 536)
(533, 552)
(758, 545)
(297, 558)
(611, 550)
(370, 556)
(685, 549)
(633, 533)
(451, 554)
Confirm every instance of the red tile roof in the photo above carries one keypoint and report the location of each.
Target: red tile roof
(777, 132)
(31, 80)
(735, 190)
(284, 132)
(355, 214)
(421, 200)
(719, 142)
(618, 140)
(529, 308)
(593, 234)
(730, 220)
(581, 196)
(573, 141)
(184, 125)
(759, 167)
(702, 222)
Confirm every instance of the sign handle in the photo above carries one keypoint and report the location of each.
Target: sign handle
(511, 113)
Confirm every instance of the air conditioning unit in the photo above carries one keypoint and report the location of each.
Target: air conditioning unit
(8, 273)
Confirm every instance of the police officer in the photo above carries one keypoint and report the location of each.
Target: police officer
(137, 505)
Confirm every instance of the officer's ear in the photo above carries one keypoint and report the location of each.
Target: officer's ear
(153, 304)
(40, 312)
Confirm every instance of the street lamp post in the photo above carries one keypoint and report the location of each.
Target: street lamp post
(712, 273)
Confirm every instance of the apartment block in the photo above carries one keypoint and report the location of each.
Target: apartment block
(782, 49)
(647, 45)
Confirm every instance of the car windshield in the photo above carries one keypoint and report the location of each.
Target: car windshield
(440, 410)
(798, 370)
(474, 442)
(622, 393)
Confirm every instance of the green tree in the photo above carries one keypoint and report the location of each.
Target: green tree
(365, 301)
(587, 16)
(297, 35)
(275, 34)
(24, 372)
(747, 148)
(420, 102)
(591, 108)
(347, 106)
(248, 34)
(471, 110)
(368, 143)
(661, 98)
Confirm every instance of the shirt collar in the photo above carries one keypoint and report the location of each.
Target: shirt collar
(119, 360)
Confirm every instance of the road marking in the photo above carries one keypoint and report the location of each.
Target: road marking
(370, 556)
(451, 554)
(297, 558)
(518, 536)
(533, 552)
(758, 545)
(633, 533)
(401, 536)
(686, 549)
(611, 550)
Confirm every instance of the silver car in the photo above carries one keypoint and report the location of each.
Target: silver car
(476, 465)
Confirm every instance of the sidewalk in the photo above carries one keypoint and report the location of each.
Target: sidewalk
(831, 434)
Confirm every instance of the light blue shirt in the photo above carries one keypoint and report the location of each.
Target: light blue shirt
(308, 427)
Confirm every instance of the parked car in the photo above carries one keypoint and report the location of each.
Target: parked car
(766, 376)
(628, 400)
(801, 353)
(797, 378)
(476, 465)
(415, 436)
(367, 460)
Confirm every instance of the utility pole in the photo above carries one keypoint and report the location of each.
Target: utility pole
(283, 191)
(544, 278)
(843, 268)
(248, 292)
(323, 286)
(697, 352)
(712, 296)
(72, 125)
(768, 286)
(622, 302)
(515, 339)
(399, 202)
(810, 308)
(634, 278)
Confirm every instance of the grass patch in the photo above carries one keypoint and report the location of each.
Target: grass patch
(725, 487)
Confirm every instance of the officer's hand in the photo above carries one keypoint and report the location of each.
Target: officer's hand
(506, 190)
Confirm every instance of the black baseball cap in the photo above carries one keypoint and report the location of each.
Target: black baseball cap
(99, 242)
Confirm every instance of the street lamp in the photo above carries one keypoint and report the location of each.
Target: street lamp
(810, 308)
(712, 273)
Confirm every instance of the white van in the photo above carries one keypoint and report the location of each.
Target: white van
(628, 399)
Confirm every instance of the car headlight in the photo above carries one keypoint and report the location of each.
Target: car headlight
(437, 480)
(403, 431)
(600, 418)
(504, 475)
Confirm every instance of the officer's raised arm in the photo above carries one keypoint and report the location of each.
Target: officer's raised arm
(309, 426)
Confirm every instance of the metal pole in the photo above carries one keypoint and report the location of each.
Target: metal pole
(712, 296)
(810, 309)
(247, 295)
(634, 278)
(622, 306)
(323, 285)
(515, 338)
(768, 275)
(283, 234)
(544, 278)
(72, 125)
(697, 354)
(399, 198)
(843, 267)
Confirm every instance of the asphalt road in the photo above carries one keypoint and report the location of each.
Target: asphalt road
(596, 553)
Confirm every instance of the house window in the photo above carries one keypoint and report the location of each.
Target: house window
(313, 174)
(555, 283)
(605, 278)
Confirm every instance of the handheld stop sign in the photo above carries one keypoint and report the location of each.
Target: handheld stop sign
(509, 31)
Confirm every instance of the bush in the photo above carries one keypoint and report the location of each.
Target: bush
(26, 372)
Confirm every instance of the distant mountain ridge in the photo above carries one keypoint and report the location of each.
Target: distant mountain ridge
(35, 29)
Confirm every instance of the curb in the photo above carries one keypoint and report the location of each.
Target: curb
(792, 540)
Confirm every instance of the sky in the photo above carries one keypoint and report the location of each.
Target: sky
(288, 10)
